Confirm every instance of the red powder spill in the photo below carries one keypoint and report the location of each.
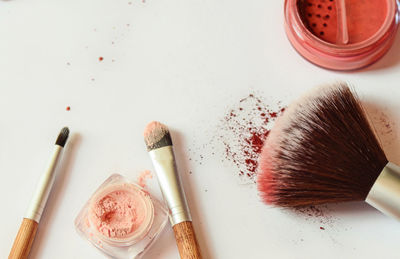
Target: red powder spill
(142, 178)
(320, 214)
(322, 228)
(244, 130)
(68, 108)
(312, 211)
(385, 127)
(385, 124)
(101, 58)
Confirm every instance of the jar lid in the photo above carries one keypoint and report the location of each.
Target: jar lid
(341, 34)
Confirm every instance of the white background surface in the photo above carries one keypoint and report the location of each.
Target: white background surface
(183, 63)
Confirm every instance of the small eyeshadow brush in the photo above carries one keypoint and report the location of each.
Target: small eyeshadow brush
(159, 145)
(27, 231)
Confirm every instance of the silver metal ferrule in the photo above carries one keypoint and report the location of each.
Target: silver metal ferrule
(170, 184)
(385, 193)
(43, 188)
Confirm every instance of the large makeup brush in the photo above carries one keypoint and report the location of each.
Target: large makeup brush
(323, 150)
(159, 146)
(27, 231)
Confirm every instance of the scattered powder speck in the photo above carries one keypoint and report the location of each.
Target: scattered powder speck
(142, 178)
(386, 125)
(243, 131)
(383, 121)
(321, 214)
(68, 64)
(312, 211)
(320, 217)
(68, 108)
(101, 58)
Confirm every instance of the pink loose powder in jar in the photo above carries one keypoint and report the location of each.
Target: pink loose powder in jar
(341, 34)
(121, 212)
(122, 219)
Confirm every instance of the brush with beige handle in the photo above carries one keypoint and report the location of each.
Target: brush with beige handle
(27, 231)
(159, 146)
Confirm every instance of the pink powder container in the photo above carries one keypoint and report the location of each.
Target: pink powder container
(121, 219)
(341, 34)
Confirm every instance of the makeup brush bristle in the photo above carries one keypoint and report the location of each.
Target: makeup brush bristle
(62, 137)
(322, 150)
(156, 135)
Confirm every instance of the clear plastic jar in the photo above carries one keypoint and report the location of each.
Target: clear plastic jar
(135, 238)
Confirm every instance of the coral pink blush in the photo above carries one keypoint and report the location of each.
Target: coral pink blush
(341, 34)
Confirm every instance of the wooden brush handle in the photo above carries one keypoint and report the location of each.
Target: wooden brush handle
(24, 239)
(186, 240)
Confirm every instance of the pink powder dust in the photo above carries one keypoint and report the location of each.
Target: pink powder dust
(142, 178)
(118, 213)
